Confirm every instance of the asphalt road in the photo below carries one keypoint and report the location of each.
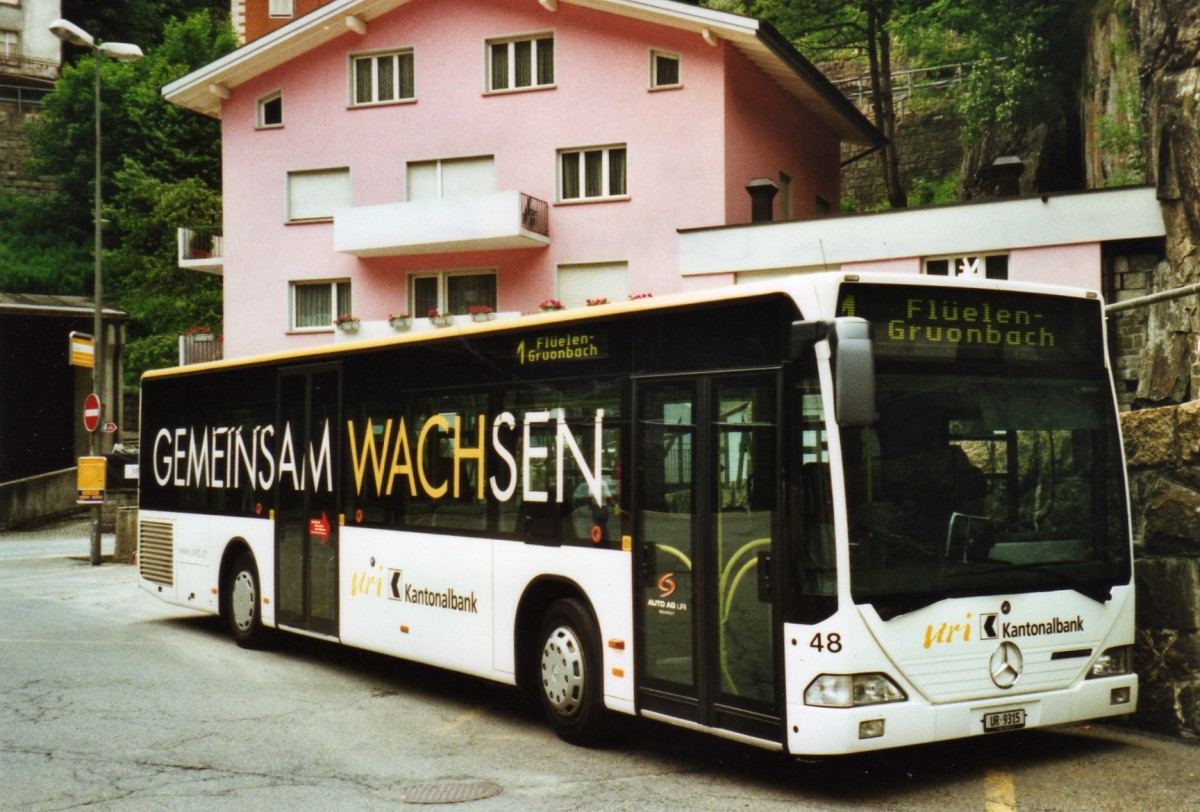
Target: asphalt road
(112, 700)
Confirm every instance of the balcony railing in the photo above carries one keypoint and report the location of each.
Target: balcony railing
(201, 249)
(199, 348)
(535, 215)
(489, 222)
(15, 65)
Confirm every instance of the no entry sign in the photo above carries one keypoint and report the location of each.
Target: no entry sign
(91, 412)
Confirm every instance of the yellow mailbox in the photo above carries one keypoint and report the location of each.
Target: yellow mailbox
(89, 483)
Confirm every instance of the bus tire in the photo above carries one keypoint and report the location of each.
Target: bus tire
(243, 600)
(570, 682)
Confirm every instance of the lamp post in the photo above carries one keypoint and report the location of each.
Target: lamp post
(70, 33)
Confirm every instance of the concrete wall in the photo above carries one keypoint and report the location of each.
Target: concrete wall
(37, 497)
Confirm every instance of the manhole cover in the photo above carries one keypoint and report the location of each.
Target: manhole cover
(449, 792)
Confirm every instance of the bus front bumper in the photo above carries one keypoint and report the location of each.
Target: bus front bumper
(814, 731)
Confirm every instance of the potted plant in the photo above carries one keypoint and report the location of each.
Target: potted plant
(401, 321)
(439, 319)
(482, 313)
(551, 304)
(347, 324)
(198, 333)
(597, 302)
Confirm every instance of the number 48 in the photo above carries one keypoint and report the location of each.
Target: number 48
(831, 641)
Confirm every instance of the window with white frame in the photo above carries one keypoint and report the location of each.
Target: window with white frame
(453, 292)
(281, 8)
(450, 177)
(664, 70)
(315, 194)
(592, 281)
(270, 111)
(593, 173)
(382, 78)
(315, 306)
(984, 266)
(520, 63)
(10, 46)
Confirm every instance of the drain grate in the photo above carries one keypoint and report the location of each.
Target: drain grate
(449, 792)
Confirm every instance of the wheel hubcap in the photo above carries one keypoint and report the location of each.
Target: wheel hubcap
(562, 671)
(243, 600)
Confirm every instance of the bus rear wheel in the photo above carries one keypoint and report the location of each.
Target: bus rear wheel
(570, 682)
(243, 598)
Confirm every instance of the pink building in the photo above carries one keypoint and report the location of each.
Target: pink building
(387, 156)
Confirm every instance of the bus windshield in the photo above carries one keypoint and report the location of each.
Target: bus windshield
(985, 484)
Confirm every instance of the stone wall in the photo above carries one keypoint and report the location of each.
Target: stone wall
(929, 149)
(1163, 453)
(15, 152)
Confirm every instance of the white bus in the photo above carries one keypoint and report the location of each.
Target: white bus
(831, 514)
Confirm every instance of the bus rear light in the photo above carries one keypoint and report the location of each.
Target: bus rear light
(1112, 663)
(852, 690)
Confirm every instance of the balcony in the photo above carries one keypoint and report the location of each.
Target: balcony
(491, 222)
(201, 249)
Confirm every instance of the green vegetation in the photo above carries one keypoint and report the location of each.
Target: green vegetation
(161, 170)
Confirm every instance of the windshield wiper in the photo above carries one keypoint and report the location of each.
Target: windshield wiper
(1099, 591)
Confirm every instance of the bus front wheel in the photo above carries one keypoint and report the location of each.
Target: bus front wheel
(243, 596)
(569, 676)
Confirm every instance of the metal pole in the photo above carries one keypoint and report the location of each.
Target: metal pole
(98, 317)
(1152, 298)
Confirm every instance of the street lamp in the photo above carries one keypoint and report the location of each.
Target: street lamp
(70, 33)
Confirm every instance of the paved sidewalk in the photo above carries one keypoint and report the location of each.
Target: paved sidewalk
(71, 536)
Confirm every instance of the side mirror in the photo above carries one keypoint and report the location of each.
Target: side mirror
(853, 372)
(853, 353)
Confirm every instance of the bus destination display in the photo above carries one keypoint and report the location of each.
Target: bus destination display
(936, 323)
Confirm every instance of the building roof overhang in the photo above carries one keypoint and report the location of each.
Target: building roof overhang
(203, 90)
(1038, 221)
(39, 304)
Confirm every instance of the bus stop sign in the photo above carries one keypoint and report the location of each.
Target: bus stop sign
(91, 412)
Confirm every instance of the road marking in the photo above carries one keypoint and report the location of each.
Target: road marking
(998, 792)
(460, 720)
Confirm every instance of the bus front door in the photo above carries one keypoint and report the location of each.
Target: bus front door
(307, 519)
(706, 497)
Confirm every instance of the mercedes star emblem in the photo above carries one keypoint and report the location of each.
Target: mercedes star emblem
(1006, 665)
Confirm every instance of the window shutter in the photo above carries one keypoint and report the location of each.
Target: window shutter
(423, 180)
(469, 176)
(598, 280)
(317, 195)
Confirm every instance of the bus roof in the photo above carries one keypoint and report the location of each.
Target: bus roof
(814, 293)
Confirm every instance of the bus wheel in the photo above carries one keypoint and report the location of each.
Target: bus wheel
(242, 609)
(570, 682)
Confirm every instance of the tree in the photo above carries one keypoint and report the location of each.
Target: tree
(825, 30)
(161, 169)
(1023, 56)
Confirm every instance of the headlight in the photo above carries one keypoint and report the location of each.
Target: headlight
(851, 690)
(1112, 662)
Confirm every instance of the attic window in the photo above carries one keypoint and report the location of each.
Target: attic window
(664, 70)
(282, 8)
(270, 111)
